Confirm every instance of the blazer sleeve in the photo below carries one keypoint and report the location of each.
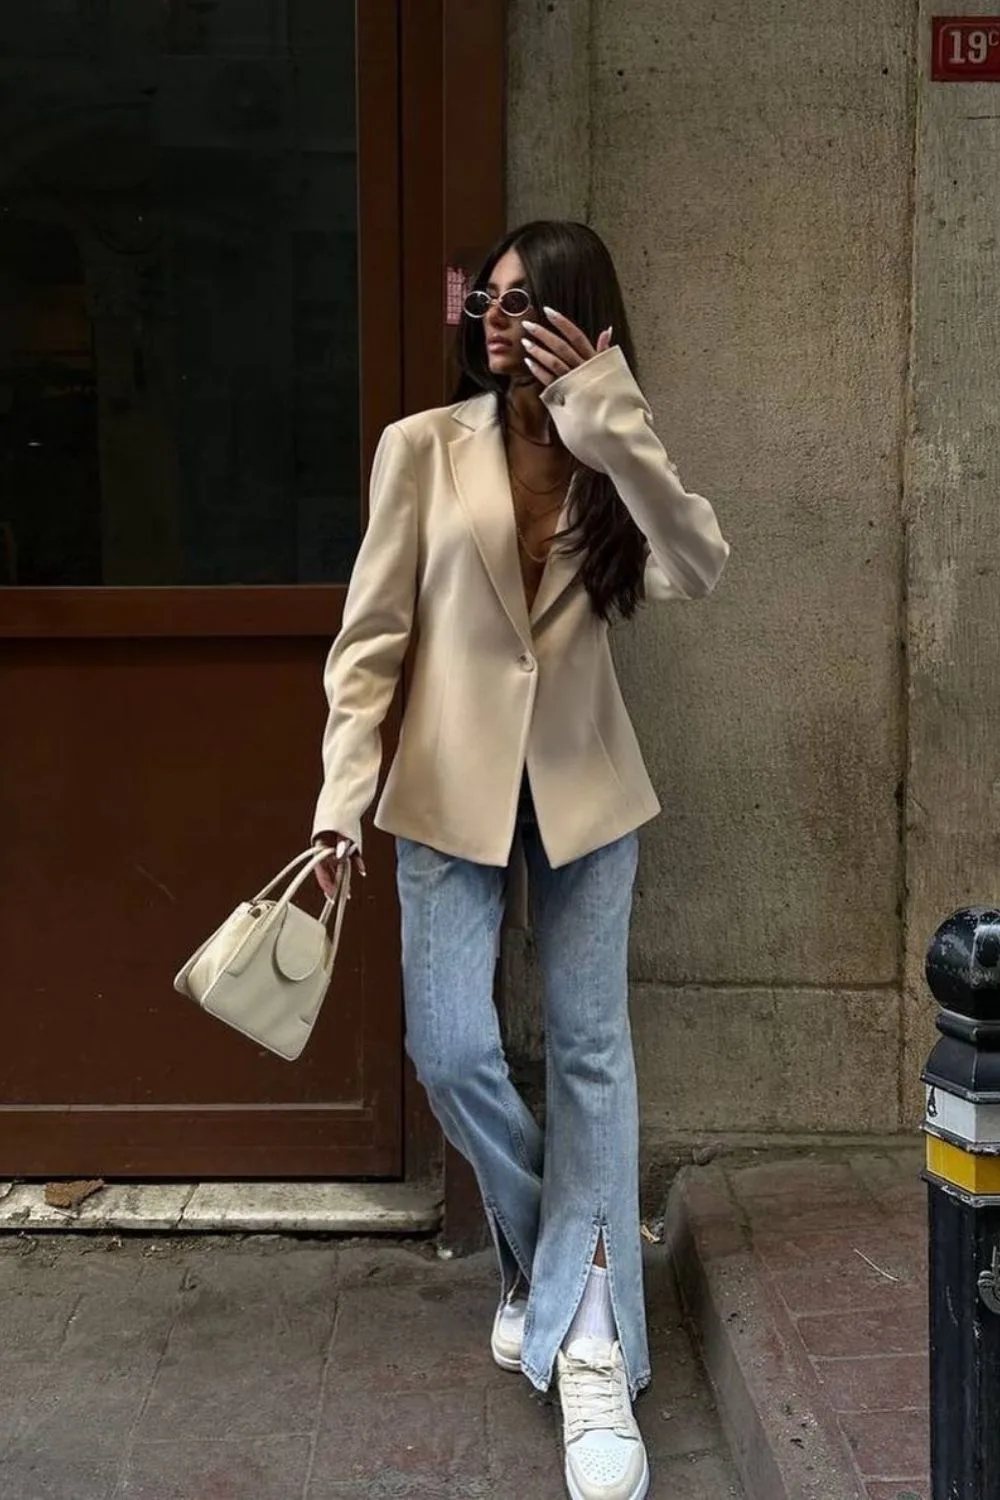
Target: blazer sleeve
(364, 662)
(605, 421)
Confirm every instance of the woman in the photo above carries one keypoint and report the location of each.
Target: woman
(505, 532)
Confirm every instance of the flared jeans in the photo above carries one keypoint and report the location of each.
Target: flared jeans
(550, 1196)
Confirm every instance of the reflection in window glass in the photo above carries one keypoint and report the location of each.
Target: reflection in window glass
(178, 292)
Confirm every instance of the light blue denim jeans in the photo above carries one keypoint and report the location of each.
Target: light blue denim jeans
(547, 1198)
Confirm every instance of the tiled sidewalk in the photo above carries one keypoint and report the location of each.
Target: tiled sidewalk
(808, 1278)
(262, 1368)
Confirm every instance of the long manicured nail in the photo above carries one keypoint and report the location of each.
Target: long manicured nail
(528, 343)
(527, 324)
(550, 312)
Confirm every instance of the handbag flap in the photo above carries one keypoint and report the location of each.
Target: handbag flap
(245, 929)
(301, 944)
(228, 950)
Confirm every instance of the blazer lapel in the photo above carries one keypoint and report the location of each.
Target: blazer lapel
(479, 468)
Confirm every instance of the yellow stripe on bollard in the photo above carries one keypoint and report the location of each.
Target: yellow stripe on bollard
(975, 1172)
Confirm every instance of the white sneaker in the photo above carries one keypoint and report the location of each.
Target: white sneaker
(605, 1454)
(508, 1330)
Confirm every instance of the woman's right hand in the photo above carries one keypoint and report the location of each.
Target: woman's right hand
(330, 873)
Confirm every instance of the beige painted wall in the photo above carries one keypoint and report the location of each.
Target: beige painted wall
(754, 179)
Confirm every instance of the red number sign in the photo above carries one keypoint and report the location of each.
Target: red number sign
(457, 286)
(966, 49)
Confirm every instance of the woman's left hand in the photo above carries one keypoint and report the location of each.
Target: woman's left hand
(549, 354)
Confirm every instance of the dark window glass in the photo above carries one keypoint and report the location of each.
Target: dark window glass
(178, 292)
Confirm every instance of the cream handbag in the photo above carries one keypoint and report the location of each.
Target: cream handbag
(266, 970)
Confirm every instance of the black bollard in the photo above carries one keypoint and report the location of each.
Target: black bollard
(962, 1127)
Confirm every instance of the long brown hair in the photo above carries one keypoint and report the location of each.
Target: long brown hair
(568, 266)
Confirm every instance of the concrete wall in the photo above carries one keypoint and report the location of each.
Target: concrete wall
(754, 178)
(953, 528)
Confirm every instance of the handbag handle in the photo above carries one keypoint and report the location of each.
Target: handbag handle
(343, 896)
(313, 858)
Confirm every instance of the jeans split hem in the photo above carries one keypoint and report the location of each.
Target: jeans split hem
(502, 1238)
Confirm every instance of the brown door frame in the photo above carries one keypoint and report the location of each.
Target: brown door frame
(446, 60)
(40, 620)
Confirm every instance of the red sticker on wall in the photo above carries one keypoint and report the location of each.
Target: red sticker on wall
(966, 49)
(457, 284)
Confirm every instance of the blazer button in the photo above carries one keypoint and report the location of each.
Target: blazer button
(526, 662)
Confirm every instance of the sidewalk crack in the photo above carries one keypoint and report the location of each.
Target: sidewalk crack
(321, 1398)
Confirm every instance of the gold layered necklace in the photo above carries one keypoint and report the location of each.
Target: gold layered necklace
(526, 496)
(536, 515)
(525, 511)
(548, 489)
(526, 436)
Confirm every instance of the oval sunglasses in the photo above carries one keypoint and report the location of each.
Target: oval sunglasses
(515, 303)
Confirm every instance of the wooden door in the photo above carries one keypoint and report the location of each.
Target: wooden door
(199, 343)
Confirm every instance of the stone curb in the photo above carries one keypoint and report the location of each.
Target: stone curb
(767, 1398)
(231, 1207)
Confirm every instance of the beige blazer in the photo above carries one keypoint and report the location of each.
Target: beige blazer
(493, 688)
